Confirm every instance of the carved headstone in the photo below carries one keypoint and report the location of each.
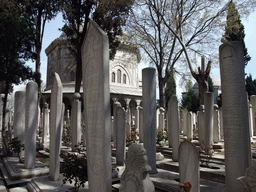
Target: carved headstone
(19, 115)
(189, 165)
(120, 135)
(96, 95)
(56, 119)
(31, 122)
(235, 113)
(174, 126)
(135, 177)
(149, 114)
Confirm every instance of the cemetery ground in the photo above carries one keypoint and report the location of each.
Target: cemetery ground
(212, 169)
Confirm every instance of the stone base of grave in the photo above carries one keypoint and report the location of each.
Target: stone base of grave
(15, 172)
(44, 184)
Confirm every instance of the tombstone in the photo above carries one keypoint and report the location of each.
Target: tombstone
(95, 60)
(56, 119)
(112, 128)
(76, 121)
(161, 119)
(45, 123)
(208, 104)
(141, 124)
(216, 125)
(120, 135)
(221, 123)
(19, 115)
(1, 110)
(174, 126)
(253, 103)
(184, 122)
(189, 165)
(31, 122)
(250, 119)
(157, 119)
(149, 114)
(235, 113)
(128, 122)
(190, 126)
(115, 105)
(136, 174)
(201, 124)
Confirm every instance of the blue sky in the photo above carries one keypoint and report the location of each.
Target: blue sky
(52, 32)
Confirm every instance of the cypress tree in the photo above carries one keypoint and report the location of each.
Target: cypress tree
(234, 30)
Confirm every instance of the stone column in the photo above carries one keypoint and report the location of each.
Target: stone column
(253, 103)
(216, 125)
(161, 119)
(190, 126)
(208, 103)
(235, 113)
(19, 115)
(221, 124)
(31, 122)
(56, 119)
(96, 95)
(141, 124)
(201, 124)
(116, 104)
(76, 121)
(174, 126)
(149, 115)
(45, 123)
(120, 135)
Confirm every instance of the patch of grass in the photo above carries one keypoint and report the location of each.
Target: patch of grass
(43, 158)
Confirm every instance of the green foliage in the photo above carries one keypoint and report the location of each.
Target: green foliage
(16, 146)
(210, 85)
(234, 30)
(190, 101)
(74, 169)
(250, 85)
(170, 88)
(16, 45)
(67, 135)
(161, 136)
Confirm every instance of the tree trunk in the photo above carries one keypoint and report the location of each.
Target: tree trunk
(161, 84)
(78, 70)
(202, 86)
(5, 141)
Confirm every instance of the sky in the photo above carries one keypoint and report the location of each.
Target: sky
(52, 32)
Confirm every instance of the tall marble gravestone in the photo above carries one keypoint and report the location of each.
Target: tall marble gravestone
(120, 135)
(19, 115)
(55, 127)
(96, 95)
(76, 121)
(115, 105)
(235, 113)
(209, 116)
(253, 103)
(149, 114)
(189, 165)
(174, 126)
(31, 122)
(201, 122)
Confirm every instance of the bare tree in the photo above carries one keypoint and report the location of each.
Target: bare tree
(177, 31)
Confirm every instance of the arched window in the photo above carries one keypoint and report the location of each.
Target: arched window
(118, 76)
(113, 77)
(124, 79)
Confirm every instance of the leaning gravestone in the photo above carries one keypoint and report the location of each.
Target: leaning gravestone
(120, 135)
(235, 113)
(135, 177)
(55, 127)
(149, 114)
(174, 126)
(19, 115)
(95, 60)
(31, 121)
(189, 165)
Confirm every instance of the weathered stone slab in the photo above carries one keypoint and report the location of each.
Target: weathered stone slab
(56, 122)
(235, 113)
(189, 165)
(96, 95)
(149, 114)
(31, 122)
